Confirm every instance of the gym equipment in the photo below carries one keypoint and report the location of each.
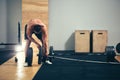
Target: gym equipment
(118, 48)
(41, 57)
(16, 60)
(110, 52)
(30, 56)
(51, 50)
(51, 53)
(88, 61)
(19, 33)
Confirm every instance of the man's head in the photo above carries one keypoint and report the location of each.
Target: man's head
(38, 28)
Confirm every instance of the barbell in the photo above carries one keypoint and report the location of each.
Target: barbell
(110, 52)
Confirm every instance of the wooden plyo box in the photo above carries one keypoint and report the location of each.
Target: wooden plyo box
(100, 39)
(117, 58)
(82, 41)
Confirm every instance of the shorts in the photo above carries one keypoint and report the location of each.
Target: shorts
(39, 36)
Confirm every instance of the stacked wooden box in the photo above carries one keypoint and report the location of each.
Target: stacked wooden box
(82, 38)
(93, 41)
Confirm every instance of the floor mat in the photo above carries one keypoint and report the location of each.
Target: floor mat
(73, 70)
(6, 55)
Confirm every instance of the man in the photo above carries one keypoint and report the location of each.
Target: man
(37, 27)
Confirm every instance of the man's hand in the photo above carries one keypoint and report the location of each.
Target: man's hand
(45, 48)
(38, 46)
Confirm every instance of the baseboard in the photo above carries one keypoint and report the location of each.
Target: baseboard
(4, 49)
(63, 51)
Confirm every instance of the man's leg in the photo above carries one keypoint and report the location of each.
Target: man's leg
(45, 56)
(28, 42)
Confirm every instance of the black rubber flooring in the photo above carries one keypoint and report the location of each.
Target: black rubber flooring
(76, 70)
(6, 55)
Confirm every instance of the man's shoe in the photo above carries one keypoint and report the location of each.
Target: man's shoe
(26, 64)
(48, 62)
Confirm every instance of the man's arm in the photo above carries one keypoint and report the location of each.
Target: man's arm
(29, 35)
(45, 39)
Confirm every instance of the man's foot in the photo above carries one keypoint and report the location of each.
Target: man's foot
(48, 62)
(26, 64)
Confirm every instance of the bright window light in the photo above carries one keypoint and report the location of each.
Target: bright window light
(18, 48)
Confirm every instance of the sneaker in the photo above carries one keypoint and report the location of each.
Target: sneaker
(26, 64)
(48, 62)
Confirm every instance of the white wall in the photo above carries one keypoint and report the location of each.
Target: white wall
(3, 21)
(14, 15)
(66, 16)
(10, 14)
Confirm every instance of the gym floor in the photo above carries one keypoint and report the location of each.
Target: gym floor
(10, 70)
(16, 71)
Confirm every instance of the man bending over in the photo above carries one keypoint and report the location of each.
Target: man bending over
(37, 27)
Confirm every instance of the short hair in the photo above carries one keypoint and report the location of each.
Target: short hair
(37, 28)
